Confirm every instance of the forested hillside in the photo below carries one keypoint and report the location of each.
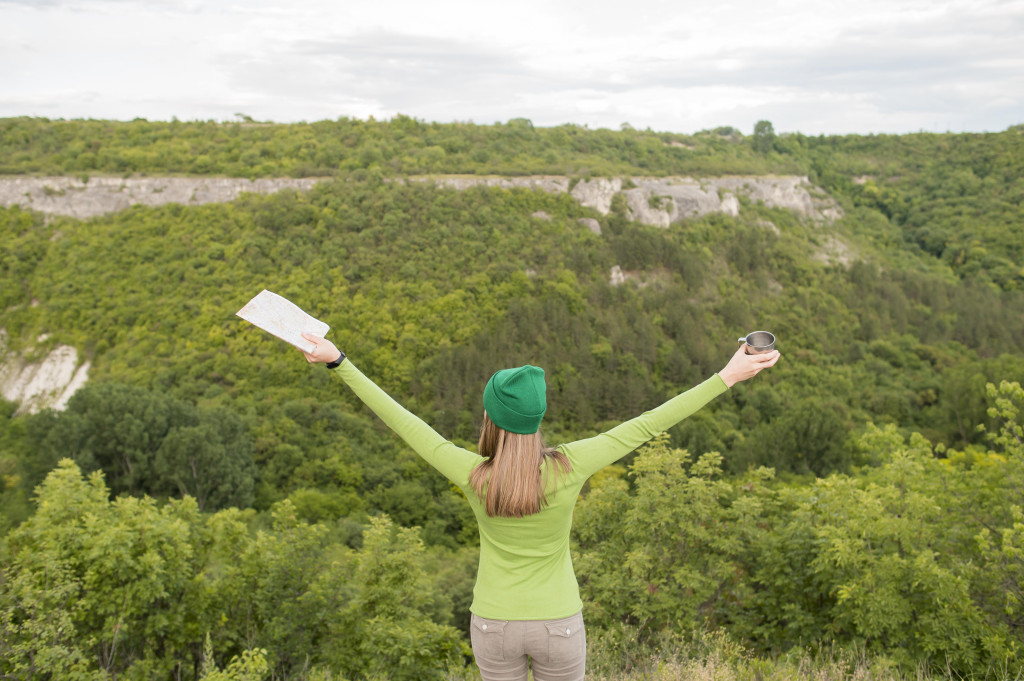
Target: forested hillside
(865, 493)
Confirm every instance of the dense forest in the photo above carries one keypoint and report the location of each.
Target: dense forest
(210, 506)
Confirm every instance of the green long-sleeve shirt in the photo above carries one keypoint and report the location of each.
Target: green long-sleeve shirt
(525, 570)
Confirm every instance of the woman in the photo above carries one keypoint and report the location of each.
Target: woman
(526, 602)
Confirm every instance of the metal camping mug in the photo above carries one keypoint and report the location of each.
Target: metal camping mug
(758, 342)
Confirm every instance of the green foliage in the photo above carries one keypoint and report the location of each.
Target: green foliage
(93, 588)
(36, 625)
(24, 237)
(661, 558)
(251, 665)
(98, 586)
(1003, 555)
(866, 561)
(146, 442)
(810, 437)
(383, 631)
(954, 197)
(1008, 401)
(764, 137)
(890, 586)
(327, 148)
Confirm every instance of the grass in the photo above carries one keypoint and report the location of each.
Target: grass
(715, 658)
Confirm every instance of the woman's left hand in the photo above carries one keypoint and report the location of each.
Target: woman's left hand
(743, 366)
(324, 352)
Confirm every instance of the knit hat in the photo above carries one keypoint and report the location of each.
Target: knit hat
(515, 399)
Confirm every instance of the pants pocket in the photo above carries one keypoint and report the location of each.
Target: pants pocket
(567, 640)
(488, 638)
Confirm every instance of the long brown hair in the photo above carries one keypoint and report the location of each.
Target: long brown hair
(509, 481)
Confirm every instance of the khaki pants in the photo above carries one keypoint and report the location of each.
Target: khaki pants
(504, 648)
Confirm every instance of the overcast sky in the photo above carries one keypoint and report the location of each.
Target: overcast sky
(830, 66)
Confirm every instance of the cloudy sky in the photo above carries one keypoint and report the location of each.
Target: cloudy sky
(831, 66)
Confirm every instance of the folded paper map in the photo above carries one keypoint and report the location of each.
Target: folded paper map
(284, 319)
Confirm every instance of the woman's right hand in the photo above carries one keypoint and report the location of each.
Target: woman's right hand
(743, 366)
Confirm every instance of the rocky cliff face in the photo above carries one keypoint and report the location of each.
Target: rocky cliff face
(658, 201)
(597, 194)
(71, 196)
(661, 201)
(40, 383)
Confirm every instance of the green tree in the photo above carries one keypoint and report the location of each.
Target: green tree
(37, 627)
(95, 587)
(884, 553)
(666, 557)
(251, 665)
(809, 437)
(211, 461)
(147, 442)
(1003, 555)
(272, 602)
(385, 630)
(116, 429)
(764, 137)
(1002, 543)
(1008, 411)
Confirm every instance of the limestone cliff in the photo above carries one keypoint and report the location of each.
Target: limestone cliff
(656, 201)
(40, 383)
(98, 195)
(661, 201)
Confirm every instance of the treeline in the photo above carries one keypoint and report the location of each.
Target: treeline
(402, 145)
(864, 534)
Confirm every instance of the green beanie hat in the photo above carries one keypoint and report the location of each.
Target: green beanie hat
(515, 399)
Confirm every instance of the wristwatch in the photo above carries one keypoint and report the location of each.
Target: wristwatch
(336, 363)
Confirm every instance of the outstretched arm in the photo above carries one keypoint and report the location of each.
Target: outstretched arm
(590, 455)
(449, 459)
